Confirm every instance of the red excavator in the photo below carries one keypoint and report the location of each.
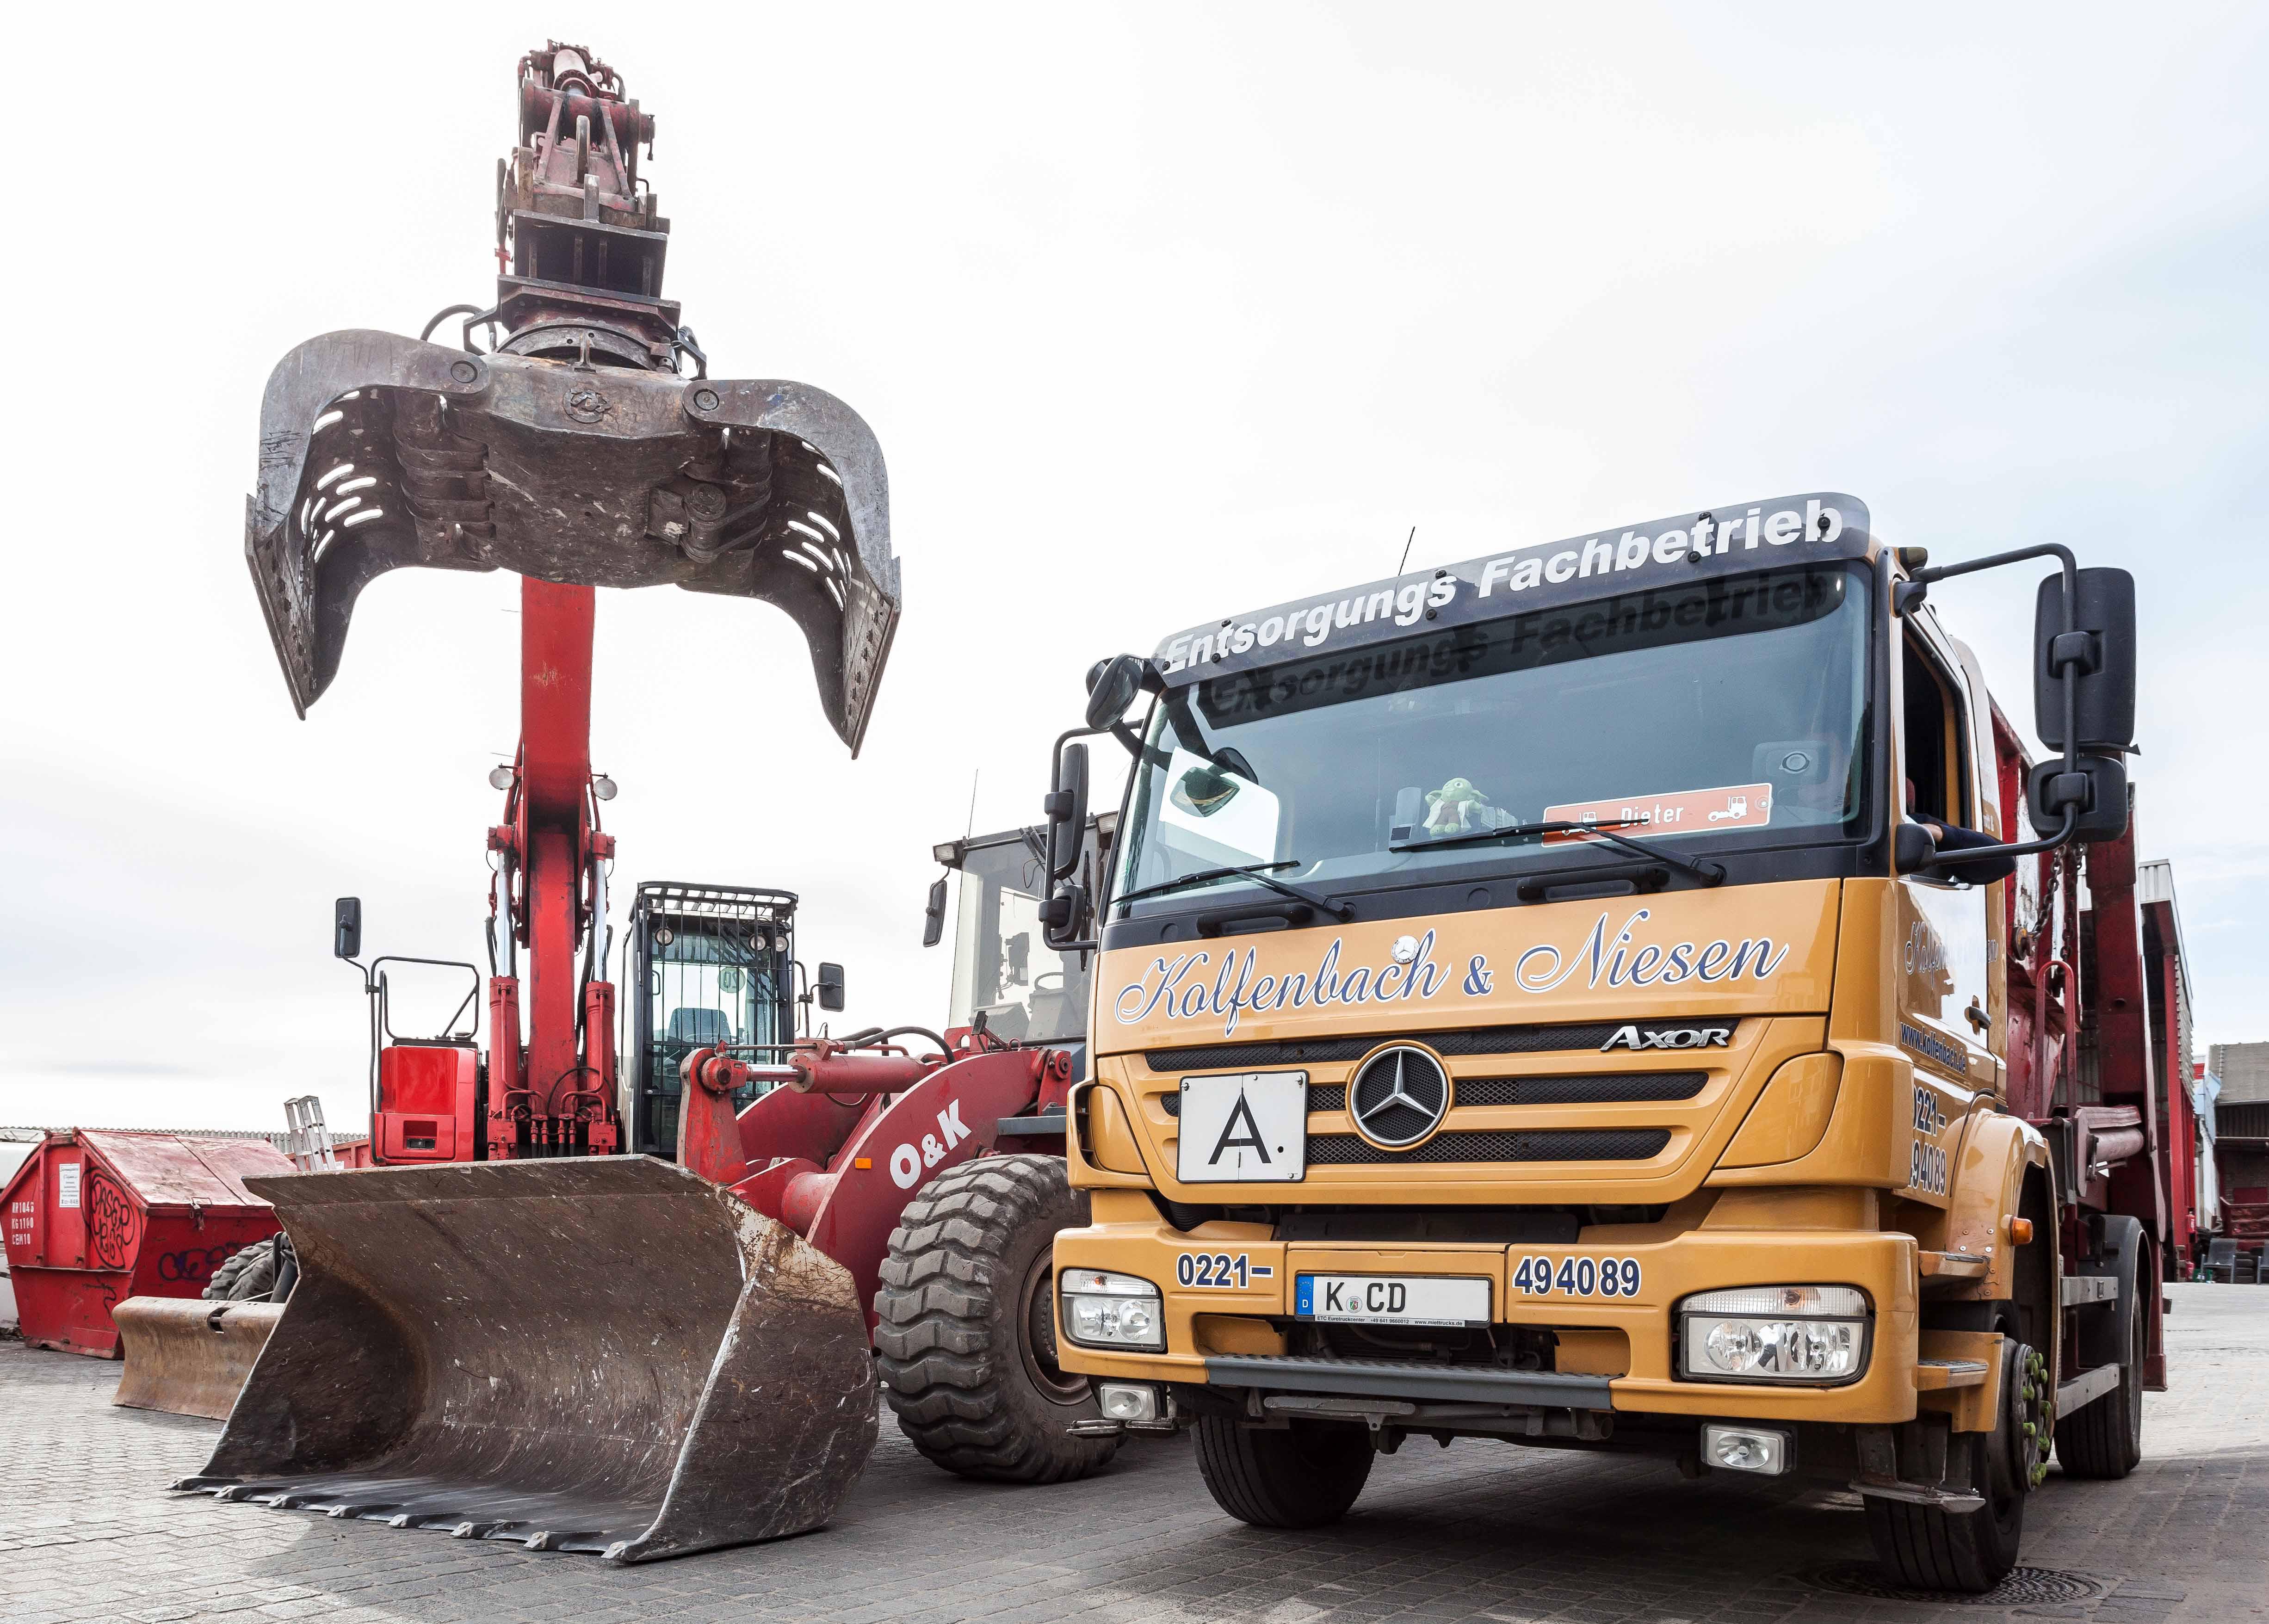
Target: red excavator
(515, 1326)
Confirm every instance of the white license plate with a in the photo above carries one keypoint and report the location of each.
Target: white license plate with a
(1246, 1129)
(1392, 1299)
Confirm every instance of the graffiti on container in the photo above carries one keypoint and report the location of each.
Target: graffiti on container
(194, 1264)
(112, 1222)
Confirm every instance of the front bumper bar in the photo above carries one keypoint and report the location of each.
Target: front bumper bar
(1621, 1356)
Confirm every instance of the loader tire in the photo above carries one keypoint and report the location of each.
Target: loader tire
(965, 1337)
(1300, 1476)
(244, 1276)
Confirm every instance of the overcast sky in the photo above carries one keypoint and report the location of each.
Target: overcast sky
(1160, 314)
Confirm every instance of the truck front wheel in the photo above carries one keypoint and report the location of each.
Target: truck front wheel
(966, 1333)
(1929, 1548)
(1299, 1476)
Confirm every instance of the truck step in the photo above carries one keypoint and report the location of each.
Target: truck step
(1935, 1375)
(1953, 1265)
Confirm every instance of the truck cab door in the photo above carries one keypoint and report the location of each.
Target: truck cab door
(1945, 1007)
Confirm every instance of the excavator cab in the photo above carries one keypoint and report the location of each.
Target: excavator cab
(710, 966)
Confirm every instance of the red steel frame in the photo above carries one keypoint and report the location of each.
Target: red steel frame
(554, 1095)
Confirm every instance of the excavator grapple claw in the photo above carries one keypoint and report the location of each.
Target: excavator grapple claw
(608, 1354)
(379, 452)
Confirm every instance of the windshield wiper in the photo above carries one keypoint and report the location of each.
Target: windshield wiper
(1255, 872)
(1708, 874)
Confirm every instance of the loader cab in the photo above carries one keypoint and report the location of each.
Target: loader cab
(1027, 991)
(709, 965)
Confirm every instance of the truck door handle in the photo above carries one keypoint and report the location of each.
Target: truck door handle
(1976, 1017)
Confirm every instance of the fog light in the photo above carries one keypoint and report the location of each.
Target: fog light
(1774, 1333)
(1127, 1401)
(1745, 1449)
(1103, 1309)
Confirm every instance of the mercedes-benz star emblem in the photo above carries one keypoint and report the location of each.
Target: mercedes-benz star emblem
(1398, 1097)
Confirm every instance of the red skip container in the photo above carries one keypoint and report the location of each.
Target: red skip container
(94, 1217)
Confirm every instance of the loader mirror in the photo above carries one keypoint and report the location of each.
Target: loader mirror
(2099, 651)
(934, 914)
(1112, 685)
(830, 986)
(346, 927)
(1067, 811)
(2096, 786)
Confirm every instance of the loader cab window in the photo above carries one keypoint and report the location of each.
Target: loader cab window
(1002, 966)
(1931, 728)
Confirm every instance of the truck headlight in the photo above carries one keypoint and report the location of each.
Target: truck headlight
(1103, 1310)
(1774, 1333)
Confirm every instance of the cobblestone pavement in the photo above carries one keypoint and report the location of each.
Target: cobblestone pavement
(1477, 1531)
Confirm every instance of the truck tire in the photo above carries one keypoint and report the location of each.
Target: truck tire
(1968, 1553)
(1300, 1476)
(2103, 1438)
(966, 1339)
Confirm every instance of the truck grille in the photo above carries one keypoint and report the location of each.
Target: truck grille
(1494, 1145)
(1542, 1039)
(1605, 1089)
(1599, 1090)
(1321, 1097)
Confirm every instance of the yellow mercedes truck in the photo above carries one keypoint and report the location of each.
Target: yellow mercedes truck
(1566, 998)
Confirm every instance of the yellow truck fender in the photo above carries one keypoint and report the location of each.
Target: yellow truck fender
(1988, 1192)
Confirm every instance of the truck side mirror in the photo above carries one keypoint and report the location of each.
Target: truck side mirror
(346, 927)
(934, 914)
(2097, 787)
(1112, 685)
(1067, 811)
(1063, 916)
(2099, 651)
(830, 986)
(1913, 848)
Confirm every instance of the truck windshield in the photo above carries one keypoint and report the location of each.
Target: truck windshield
(1729, 714)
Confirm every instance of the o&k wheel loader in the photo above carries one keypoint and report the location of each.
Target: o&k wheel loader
(524, 1322)
(1627, 993)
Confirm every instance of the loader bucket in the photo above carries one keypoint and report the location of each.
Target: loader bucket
(188, 1356)
(606, 1354)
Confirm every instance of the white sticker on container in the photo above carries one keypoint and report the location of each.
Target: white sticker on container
(67, 1184)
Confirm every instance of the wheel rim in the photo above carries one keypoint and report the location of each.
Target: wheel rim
(1036, 1343)
(2032, 1418)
